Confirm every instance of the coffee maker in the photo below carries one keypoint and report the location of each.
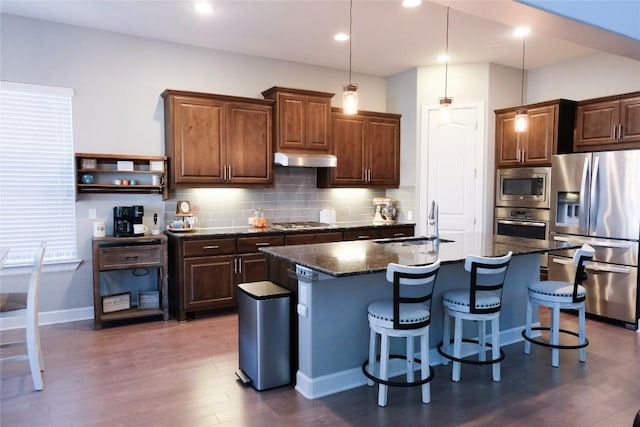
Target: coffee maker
(124, 218)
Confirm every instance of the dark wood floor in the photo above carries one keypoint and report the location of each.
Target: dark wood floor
(171, 374)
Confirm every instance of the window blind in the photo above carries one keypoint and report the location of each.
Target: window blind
(37, 200)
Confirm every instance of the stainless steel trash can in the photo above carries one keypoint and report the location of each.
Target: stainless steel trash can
(263, 332)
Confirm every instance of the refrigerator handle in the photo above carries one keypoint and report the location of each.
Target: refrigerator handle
(594, 196)
(584, 214)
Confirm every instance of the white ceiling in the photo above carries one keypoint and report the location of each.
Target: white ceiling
(386, 38)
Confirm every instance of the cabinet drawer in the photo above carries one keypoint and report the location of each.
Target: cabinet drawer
(206, 247)
(129, 257)
(361, 234)
(252, 244)
(303, 239)
(397, 232)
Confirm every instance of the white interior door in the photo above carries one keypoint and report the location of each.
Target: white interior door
(452, 167)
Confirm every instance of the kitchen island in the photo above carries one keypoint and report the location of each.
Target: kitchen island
(337, 281)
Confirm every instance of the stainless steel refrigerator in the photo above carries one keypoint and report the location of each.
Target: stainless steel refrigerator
(595, 199)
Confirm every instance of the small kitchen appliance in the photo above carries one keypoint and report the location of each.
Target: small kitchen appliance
(124, 218)
(385, 210)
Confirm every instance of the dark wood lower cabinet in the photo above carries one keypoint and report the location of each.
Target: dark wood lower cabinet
(204, 272)
(209, 283)
(251, 268)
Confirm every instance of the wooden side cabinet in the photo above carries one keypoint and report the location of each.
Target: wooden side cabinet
(367, 146)
(135, 254)
(611, 123)
(217, 140)
(302, 119)
(549, 132)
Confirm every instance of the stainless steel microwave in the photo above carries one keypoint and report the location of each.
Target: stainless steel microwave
(523, 187)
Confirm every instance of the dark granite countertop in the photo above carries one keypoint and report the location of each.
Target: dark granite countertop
(248, 231)
(371, 256)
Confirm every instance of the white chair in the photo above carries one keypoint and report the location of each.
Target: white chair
(480, 302)
(29, 302)
(559, 295)
(407, 315)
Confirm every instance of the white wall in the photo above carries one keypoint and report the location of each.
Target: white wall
(584, 78)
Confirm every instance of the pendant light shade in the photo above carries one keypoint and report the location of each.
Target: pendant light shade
(350, 90)
(445, 102)
(350, 98)
(522, 119)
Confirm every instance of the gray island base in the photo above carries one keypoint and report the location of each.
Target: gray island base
(337, 281)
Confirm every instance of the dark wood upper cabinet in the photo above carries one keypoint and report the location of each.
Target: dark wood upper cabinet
(302, 119)
(610, 123)
(549, 132)
(217, 140)
(367, 146)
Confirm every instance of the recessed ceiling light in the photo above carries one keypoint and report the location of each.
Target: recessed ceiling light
(411, 3)
(203, 7)
(341, 37)
(521, 32)
(442, 58)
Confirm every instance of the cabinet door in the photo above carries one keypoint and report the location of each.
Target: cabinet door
(198, 134)
(251, 268)
(349, 147)
(291, 122)
(383, 152)
(249, 143)
(507, 144)
(630, 121)
(595, 123)
(540, 139)
(209, 282)
(318, 122)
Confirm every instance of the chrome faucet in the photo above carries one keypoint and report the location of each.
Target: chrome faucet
(432, 223)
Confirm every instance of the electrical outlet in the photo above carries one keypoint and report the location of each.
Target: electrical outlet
(92, 213)
(250, 221)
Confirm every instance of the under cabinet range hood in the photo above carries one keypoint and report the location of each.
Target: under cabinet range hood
(306, 160)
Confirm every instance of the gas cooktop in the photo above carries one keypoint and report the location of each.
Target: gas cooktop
(300, 225)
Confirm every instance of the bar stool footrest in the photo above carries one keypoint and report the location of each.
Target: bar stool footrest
(372, 377)
(558, 346)
(470, 362)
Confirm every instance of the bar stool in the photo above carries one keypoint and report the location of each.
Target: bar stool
(558, 295)
(480, 303)
(406, 317)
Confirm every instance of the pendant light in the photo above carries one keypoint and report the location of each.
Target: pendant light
(445, 102)
(521, 113)
(350, 90)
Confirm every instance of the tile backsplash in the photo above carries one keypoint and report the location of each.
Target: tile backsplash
(294, 197)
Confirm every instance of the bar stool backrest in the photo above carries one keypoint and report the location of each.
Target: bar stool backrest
(487, 277)
(423, 276)
(581, 258)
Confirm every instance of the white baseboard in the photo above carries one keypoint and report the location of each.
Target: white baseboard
(313, 388)
(16, 320)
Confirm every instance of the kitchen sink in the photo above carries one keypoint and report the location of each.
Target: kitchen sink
(410, 240)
